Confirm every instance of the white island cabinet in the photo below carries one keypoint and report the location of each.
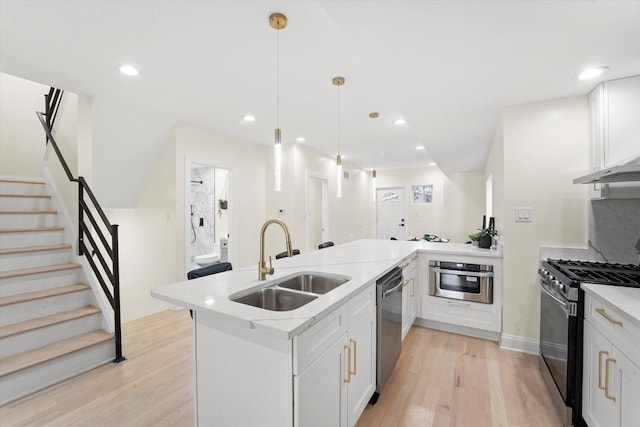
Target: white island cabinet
(333, 388)
(310, 366)
(611, 356)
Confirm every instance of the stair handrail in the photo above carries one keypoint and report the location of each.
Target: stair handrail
(112, 272)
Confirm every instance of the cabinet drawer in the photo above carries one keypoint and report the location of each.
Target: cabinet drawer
(463, 313)
(614, 325)
(360, 305)
(314, 341)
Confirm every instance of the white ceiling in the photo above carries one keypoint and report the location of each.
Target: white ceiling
(447, 67)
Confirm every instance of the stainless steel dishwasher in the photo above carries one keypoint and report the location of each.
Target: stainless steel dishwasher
(389, 327)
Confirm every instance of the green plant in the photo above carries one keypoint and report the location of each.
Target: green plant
(489, 231)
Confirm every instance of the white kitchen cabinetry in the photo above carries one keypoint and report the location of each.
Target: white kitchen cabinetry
(467, 317)
(246, 377)
(611, 377)
(409, 293)
(614, 108)
(334, 389)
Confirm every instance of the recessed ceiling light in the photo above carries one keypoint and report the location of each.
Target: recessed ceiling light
(129, 70)
(590, 73)
(301, 139)
(432, 164)
(248, 118)
(420, 147)
(399, 122)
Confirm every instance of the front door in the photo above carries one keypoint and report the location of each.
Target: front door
(391, 213)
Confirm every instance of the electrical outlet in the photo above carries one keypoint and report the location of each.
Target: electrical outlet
(523, 215)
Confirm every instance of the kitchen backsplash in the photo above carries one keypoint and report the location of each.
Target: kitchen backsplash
(614, 230)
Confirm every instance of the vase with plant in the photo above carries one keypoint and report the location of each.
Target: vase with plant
(485, 235)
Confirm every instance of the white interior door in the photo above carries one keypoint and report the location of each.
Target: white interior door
(317, 230)
(391, 213)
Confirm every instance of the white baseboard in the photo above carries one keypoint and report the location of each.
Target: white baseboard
(521, 344)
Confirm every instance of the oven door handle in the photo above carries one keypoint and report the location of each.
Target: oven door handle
(565, 306)
(462, 272)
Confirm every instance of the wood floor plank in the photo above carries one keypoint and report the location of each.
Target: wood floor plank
(155, 385)
(21, 181)
(27, 196)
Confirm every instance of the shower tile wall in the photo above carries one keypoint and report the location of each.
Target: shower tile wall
(203, 206)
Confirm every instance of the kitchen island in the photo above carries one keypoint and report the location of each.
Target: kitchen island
(285, 368)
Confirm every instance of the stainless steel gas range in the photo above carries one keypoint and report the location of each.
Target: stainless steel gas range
(561, 317)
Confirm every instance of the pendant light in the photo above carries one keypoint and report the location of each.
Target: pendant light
(373, 171)
(277, 21)
(338, 81)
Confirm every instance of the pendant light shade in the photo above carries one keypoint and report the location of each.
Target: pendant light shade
(373, 171)
(338, 81)
(277, 21)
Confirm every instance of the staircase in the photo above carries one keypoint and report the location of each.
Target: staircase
(50, 325)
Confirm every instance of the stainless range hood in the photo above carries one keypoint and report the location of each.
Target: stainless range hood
(620, 173)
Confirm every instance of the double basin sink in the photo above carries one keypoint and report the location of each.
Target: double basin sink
(291, 292)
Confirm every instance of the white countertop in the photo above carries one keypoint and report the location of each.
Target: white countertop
(363, 261)
(625, 299)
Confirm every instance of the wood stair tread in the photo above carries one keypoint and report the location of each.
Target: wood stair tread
(30, 249)
(31, 230)
(49, 352)
(44, 212)
(38, 270)
(41, 322)
(21, 181)
(45, 293)
(27, 196)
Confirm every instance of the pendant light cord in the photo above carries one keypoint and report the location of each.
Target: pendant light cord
(338, 120)
(278, 79)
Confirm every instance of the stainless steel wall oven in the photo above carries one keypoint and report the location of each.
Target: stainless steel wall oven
(468, 282)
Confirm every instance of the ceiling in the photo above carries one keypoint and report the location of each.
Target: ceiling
(447, 67)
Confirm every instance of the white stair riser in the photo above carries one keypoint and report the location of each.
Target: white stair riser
(13, 221)
(31, 340)
(35, 259)
(24, 204)
(46, 374)
(20, 188)
(43, 307)
(31, 238)
(38, 282)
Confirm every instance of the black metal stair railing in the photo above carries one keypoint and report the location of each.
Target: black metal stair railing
(102, 237)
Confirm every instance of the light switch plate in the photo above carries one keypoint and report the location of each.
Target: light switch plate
(524, 215)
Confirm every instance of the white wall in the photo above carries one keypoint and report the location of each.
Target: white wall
(21, 136)
(348, 216)
(544, 146)
(457, 207)
(152, 235)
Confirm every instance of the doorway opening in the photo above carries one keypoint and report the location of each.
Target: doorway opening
(208, 215)
(391, 213)
(317, 217)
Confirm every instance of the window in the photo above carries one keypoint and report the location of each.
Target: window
(422, 193)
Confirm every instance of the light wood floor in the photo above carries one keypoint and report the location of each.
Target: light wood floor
(441, 380)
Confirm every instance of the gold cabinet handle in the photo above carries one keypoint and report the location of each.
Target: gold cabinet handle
(413, 287)
(414, 258)
(602, 313)
(606, 380)
(406, 264)
(406, 282)
(600, 354)
(348, 378)
(355, 357)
